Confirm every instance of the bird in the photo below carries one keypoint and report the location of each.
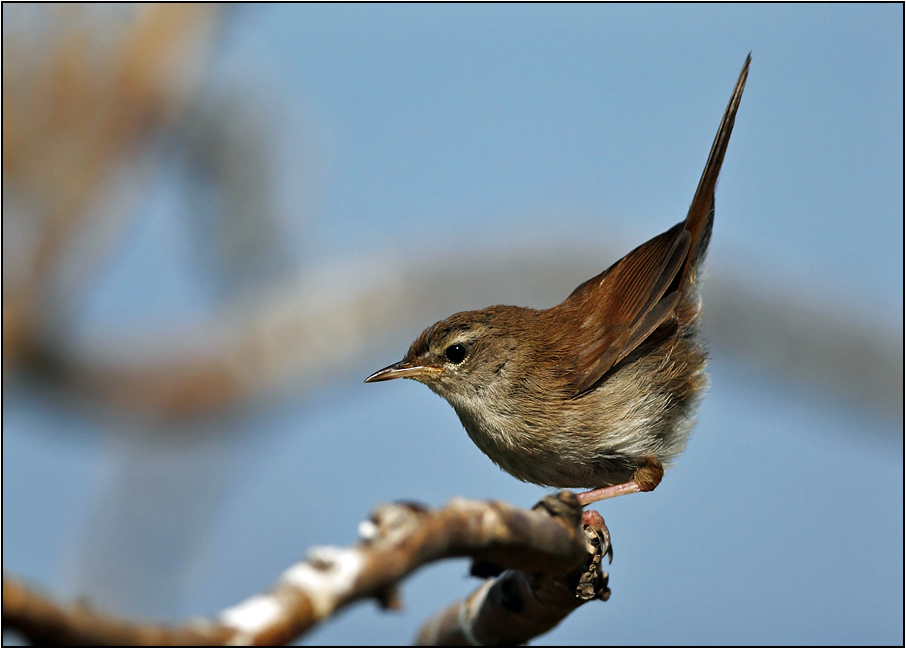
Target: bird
(600, 391)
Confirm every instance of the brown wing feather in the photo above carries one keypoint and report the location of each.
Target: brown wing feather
(617, 310)
(610, 308)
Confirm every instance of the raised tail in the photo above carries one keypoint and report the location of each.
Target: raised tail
(701, 213)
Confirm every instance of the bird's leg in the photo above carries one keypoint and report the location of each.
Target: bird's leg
(646, 477)
(593, 496)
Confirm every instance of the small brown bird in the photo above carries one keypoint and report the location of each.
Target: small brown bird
(601, 390)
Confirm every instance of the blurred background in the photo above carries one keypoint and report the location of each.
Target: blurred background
(217, 222)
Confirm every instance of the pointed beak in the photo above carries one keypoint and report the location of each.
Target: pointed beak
(402, 370)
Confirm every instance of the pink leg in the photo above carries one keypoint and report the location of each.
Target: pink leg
(593, 496)
(645, 478)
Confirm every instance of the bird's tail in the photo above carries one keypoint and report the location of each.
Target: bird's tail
(701, 213)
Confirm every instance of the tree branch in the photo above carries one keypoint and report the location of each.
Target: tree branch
(44, 623)
(518, 606)
(554, 551)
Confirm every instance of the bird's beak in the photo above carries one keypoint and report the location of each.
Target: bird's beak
(403, 370)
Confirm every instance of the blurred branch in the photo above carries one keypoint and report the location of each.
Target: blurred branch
(556, 548)
(44, 623)
(310, 330)
(76, 108)
(856, 357)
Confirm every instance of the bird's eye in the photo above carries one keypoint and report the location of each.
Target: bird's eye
(456, 354)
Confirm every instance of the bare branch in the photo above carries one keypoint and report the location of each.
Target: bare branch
(44, 623)
(400, 538)
(519, 606)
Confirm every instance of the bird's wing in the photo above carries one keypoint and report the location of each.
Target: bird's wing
(615, 311)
